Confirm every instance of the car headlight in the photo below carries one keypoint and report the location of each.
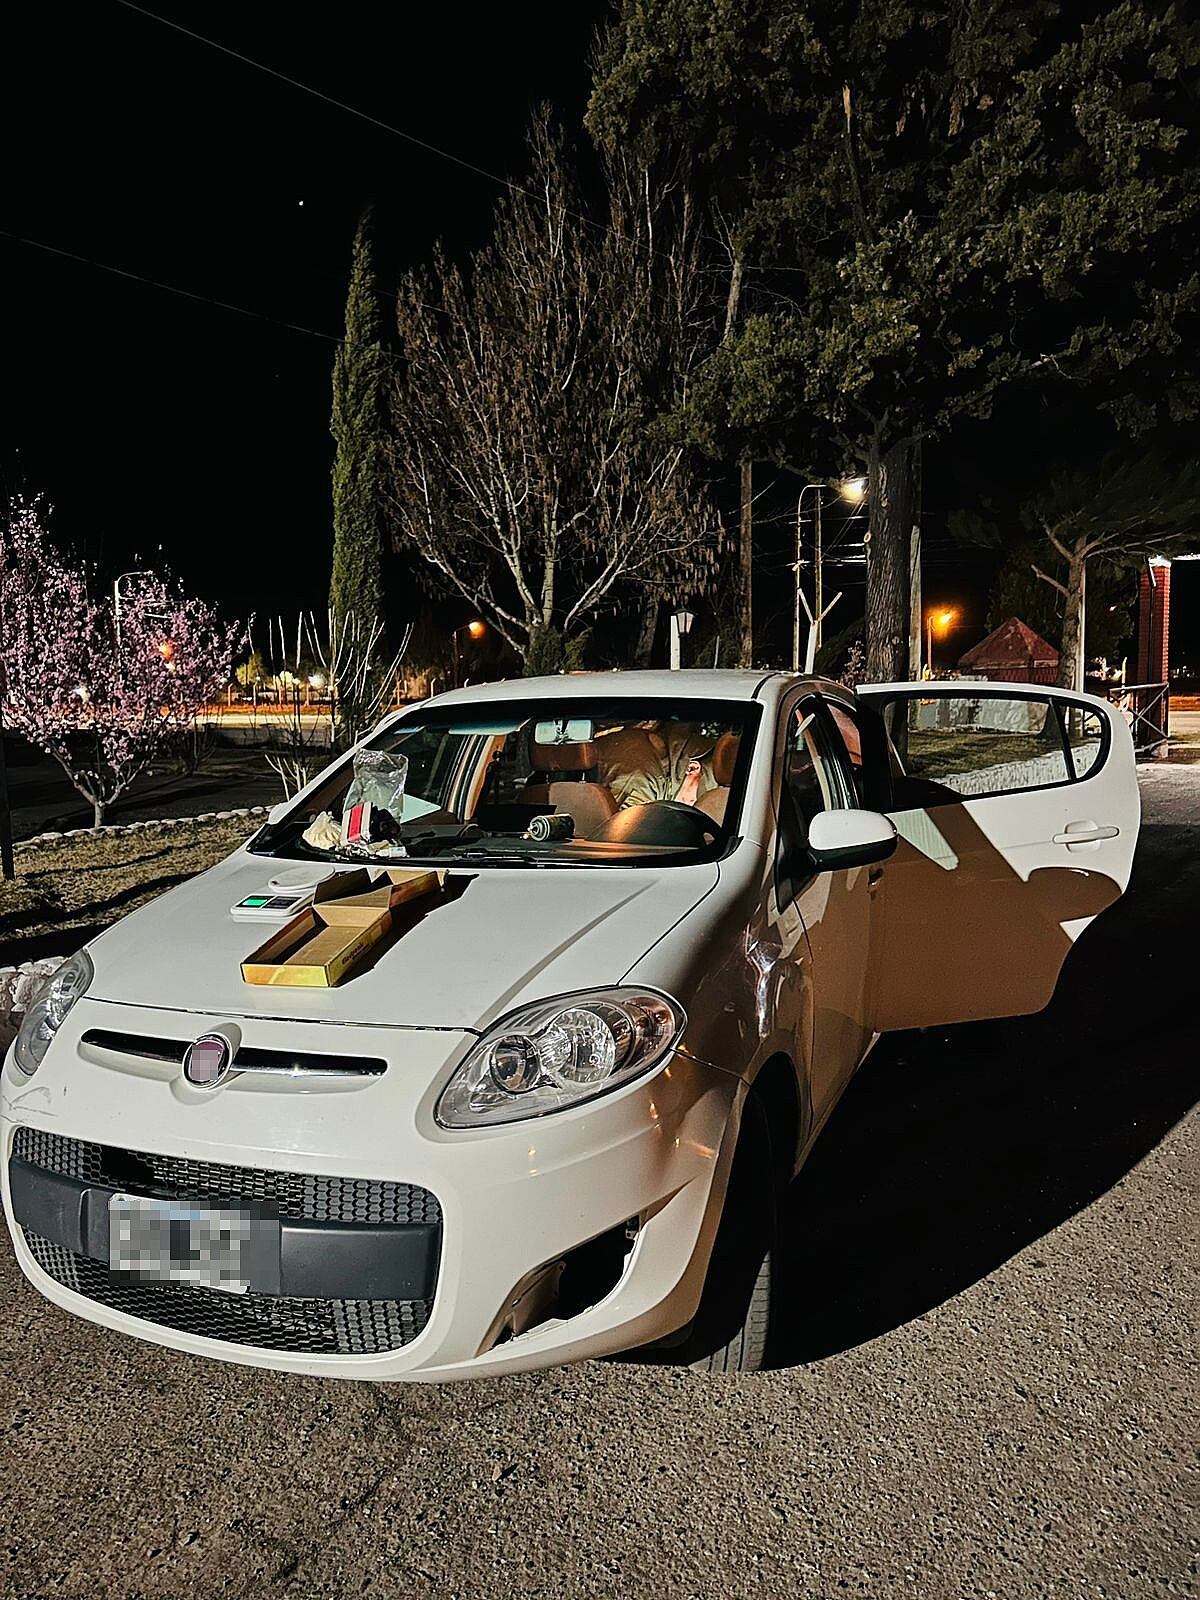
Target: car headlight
(558, 1053)
(48, 1011)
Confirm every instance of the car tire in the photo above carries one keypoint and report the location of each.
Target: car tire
(731, 1331)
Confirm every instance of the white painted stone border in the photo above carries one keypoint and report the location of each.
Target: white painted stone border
(46, 841)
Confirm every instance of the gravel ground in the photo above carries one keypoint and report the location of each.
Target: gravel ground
(992, 1257)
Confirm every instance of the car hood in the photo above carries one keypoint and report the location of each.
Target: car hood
(498, 937)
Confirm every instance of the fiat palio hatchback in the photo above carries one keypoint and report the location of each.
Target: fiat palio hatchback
(549, 1113)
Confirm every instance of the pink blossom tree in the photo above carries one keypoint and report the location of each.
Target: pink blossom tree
(103, 695)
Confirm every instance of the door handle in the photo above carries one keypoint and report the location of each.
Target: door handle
(874, 874)
(1085, 833)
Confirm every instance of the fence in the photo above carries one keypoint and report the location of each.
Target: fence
(1147, 706)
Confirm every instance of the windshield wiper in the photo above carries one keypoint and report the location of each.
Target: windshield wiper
(482, 853)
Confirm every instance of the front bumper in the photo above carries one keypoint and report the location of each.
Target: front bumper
(508, 1200)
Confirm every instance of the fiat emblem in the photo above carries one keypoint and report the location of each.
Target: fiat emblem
(207, 1060)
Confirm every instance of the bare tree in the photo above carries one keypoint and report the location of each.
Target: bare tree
(359, 686)
(529, 468)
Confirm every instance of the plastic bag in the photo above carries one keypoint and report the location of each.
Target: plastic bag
(379, 779)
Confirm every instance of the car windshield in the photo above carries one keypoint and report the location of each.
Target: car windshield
(533, 783)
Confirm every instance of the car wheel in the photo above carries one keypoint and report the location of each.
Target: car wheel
(732, 1328)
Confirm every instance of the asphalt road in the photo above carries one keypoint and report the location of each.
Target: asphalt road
(42, 799)
(992, 1257)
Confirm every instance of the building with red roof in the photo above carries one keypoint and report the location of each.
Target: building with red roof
(1013, 653)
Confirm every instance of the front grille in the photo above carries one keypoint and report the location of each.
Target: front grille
(306, 1195)
(268, 1322)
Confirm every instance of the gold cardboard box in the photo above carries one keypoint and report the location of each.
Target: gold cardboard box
(348, 915)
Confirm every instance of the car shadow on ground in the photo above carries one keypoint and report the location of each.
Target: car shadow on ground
(956, 1148)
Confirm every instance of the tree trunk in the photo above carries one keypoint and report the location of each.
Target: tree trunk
(644, 647)
(734, 296)
(97, 813)
(1070, 658)
(890, 492)
(746, 563)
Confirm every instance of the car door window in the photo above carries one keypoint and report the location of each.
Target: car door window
(849, 747)
(946, 748)
(812, 780)
(1085, 731)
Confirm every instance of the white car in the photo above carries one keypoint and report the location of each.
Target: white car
(552, 1117)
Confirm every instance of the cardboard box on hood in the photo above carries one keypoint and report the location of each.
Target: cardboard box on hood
(349, 914)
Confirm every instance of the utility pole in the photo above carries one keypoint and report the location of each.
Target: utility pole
(915, 608)
(914, 603)
(746, 562)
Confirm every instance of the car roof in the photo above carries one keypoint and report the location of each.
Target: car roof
(691, 684)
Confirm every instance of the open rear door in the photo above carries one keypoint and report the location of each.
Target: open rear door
(1018, 811)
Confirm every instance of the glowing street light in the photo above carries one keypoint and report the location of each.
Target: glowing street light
(939, 621)
(475, 629)
(853, 490)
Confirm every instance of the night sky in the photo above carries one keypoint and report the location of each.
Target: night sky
(154, 421)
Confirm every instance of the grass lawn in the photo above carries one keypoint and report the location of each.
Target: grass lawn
(65, 893)
(938, 753)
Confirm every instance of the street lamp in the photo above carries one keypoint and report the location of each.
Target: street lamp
(476, 629)
(137, 572)
(852, 489)
(942, 621)
(681, 624)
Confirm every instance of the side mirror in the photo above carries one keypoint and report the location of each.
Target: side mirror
(278, 812)
(840, 839)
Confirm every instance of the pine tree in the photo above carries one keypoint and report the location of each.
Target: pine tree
(931, 205)
(359, 428)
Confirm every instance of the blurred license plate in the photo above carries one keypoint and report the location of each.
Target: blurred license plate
(176, 1241)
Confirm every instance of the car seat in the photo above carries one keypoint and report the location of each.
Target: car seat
(560, 778)
(724, 760)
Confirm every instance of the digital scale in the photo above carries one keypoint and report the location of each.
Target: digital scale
(283, 896)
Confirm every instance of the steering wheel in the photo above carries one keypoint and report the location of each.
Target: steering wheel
(665, 822)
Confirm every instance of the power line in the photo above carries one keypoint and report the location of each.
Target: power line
(168, 288)
(341, 105)
(376, 122)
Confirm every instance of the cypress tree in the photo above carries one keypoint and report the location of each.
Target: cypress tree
(358, 425)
